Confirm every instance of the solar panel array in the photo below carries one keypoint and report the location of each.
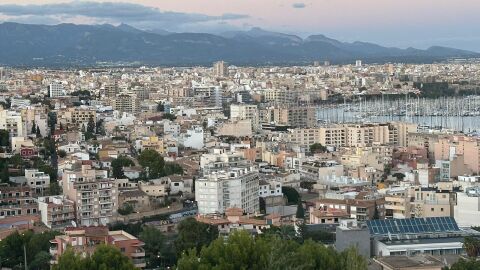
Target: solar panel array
(412, 226)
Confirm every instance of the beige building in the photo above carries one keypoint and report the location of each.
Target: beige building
(76, 116)
(95, 196)
(245, 111)
(354, 135)
(56, 211)
(126, 103)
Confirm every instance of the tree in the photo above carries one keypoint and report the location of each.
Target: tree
(61, 153)
(376, 214)
(34, 128)
(169, 116)
(160, 107)
(91, 125)
(194, 235)
(41, 261)
(105, 257)
(318, 148)
(300, 211)
(37, 133)
(118, 164)
(126, 209)
(36, 245)
(155, 166)
(154, 244)
(54, 188)
(242, 251)
(472, 246)
(4, 138)
(463, 264)
(292, 195)
(399, 176)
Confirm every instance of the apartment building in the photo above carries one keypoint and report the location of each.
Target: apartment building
(37, 180)
(76, 116)
(12, 122)
(220, 69)
(360, 206)
(17, 201)
(280, 96)
(94, 194)
(127, 102)
(417, 201)
(244, 112)
(320, 170)
(469, 147)
(353, 135)
(84, 240)
(232, 187)
(56, 89)
(270, 188)
(56, 211)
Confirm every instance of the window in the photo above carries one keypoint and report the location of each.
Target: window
(441, 209)
(122, 250)
(432, 209)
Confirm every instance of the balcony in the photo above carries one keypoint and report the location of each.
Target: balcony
(140, 252)
(140, 263)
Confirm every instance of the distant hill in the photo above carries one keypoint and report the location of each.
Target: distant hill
(84, 45)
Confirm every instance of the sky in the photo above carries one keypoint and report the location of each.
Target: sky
(396, 23)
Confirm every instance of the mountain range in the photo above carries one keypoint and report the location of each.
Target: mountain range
(88, 45)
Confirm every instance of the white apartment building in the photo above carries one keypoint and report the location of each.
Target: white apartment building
(270, 188)
(55, 89)
(233, 187)
(39, 181)
(12, 121)
(220, 69)
(95, 196)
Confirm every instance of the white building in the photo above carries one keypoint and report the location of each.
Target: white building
(56, 211)
(12, 121)
(234, 187)
(270, 188)
(37, 180)
(193, 138)
(55, 89)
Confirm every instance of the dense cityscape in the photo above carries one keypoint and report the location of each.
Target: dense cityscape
(239, 135)
(164, 163)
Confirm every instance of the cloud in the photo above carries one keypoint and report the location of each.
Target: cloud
(299, 5)
(130, 13)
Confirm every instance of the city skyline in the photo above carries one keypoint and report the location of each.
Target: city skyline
(429, 22)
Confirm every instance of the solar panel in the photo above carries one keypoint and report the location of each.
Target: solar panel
(414, 225)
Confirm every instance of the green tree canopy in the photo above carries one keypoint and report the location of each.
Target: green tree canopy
(154, 245)
(292, 195)
(118, 164)
(242, 251)
(105, 257)
(318, 148)
(157, 167)
(194, 234)
(4, 138)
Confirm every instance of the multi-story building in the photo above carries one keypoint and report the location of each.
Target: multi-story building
(417, 202)
(232, 187)
(12, 122)
(17, 201)
(220, 69)
(56, 211)
(95, 196)
(56, 89)
(77, 116)
(353, 135)
(126, 103)
(38, 181)
(245, 111)
(111, 90)
(270, 188)
(84, 240)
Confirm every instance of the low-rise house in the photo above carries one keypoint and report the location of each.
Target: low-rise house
(84, 240)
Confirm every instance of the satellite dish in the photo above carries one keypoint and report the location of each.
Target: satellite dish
(74, 224)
